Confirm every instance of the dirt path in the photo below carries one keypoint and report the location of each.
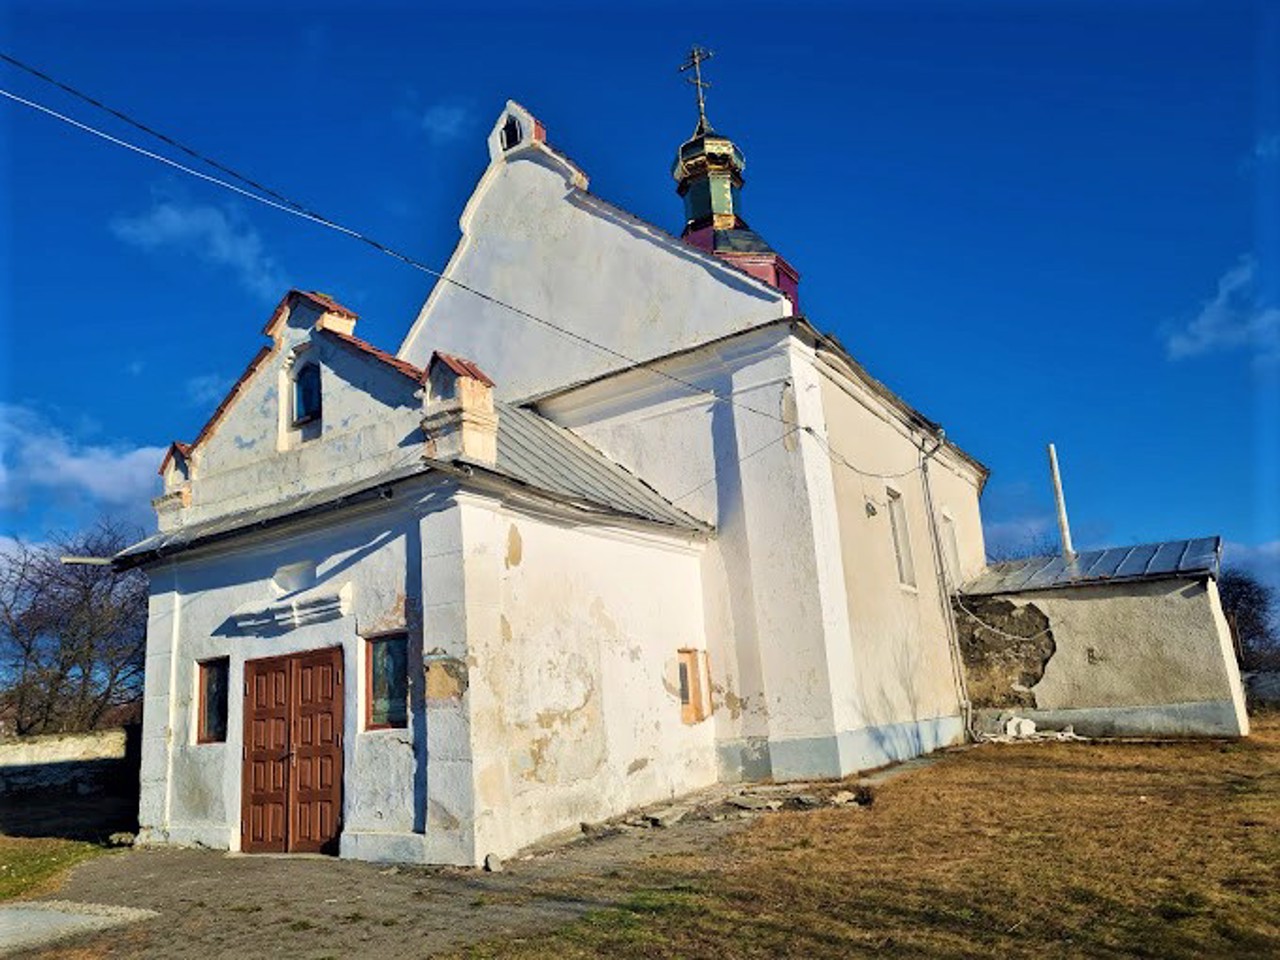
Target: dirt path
(211, 904)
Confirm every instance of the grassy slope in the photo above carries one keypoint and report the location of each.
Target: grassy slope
(30, 866)
(1038, 850)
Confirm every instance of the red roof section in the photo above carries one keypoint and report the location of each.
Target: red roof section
(461, 366)
(183, 449)
(408, 369)
(328, 304)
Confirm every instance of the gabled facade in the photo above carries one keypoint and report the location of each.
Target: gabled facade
(621, 527)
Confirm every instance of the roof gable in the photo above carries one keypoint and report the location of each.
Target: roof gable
(539, 252)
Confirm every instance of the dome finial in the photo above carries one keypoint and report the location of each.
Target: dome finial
(697, 57)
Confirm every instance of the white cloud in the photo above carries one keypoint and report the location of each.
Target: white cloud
(207, 389)
(213, 235)
(1233, 319)
(444, 122)
(43, 469)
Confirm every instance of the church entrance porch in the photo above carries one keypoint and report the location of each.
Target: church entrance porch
(292, 777)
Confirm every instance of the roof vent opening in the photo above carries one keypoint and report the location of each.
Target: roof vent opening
(511, 133)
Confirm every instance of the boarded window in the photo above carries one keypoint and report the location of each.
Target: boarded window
(212, 725)
(692, 666)
(901, 538)
(306, 394)
(388, 673)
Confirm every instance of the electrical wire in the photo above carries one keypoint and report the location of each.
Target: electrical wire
(285, 205)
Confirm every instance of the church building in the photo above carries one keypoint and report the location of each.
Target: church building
(614, 523)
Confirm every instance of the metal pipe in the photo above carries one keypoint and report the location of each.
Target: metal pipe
(1064, 526)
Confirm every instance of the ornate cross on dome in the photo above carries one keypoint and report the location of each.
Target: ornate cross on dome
(697, 57)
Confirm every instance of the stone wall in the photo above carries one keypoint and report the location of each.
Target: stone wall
(101, 761)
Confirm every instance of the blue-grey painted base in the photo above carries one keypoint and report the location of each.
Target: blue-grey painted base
(1213, 718)
(744, 761)
(816, 758)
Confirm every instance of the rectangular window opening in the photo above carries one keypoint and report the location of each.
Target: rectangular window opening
(388, 682)
(901, 538)
(212, 726)
(692, 667)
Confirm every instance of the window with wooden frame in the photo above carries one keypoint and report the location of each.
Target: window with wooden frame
(901, 538)
(211, 721)
(387, 682)
(694, 701)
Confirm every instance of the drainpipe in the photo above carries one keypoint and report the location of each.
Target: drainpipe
(944, 591)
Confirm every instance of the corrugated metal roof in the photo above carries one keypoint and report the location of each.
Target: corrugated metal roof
(1149, 561)
(532, 451)
(536, 451)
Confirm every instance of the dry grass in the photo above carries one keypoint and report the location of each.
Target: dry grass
(34, 865)
(1155, 850)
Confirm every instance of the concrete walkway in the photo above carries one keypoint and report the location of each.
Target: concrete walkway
(34, 924)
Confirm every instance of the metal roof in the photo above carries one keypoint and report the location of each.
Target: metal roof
(542, 454)
(1150, 561)
(532, 451)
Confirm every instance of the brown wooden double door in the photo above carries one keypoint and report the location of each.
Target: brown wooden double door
(292, 793)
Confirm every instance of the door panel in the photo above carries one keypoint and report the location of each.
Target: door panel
(266, 756)
(293, 753)
(317, 795)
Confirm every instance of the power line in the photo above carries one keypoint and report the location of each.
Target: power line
(285, 205)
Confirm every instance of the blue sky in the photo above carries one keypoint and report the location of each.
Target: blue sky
(1037, 221)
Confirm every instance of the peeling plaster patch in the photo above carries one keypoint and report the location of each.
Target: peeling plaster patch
(726, 698)
(243, 444)
(396, 617)
(505, 626)
(1001, 670)
(515, 547)
(446, 679)
(637, 765)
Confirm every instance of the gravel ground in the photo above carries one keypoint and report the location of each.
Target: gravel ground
(212, 904)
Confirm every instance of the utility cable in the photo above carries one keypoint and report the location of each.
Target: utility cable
(285, 205)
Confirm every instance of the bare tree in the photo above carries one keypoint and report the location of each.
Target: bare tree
(72, 636)
(1037, 544)
(1251, 609)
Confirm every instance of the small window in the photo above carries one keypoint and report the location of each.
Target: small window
(901, 538)
(306, 394)
(510, 136)
(212, 726)
(388, 673)
(952, 546)
(692, 666)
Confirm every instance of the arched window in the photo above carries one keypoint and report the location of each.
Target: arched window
(510, 133)
(306, 394)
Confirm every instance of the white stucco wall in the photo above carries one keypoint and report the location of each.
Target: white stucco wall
(1150, 657)
(253, 458)
(903, 681)
(573, 638)
(533, 237)
(191, 792)
(793, 688)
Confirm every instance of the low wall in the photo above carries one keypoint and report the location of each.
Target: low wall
(1146, 658)
(101, 761)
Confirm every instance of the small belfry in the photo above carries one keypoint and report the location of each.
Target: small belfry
(708, 173)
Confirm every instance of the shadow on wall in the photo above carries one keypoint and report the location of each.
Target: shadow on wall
(892, 732)
(87, 798)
